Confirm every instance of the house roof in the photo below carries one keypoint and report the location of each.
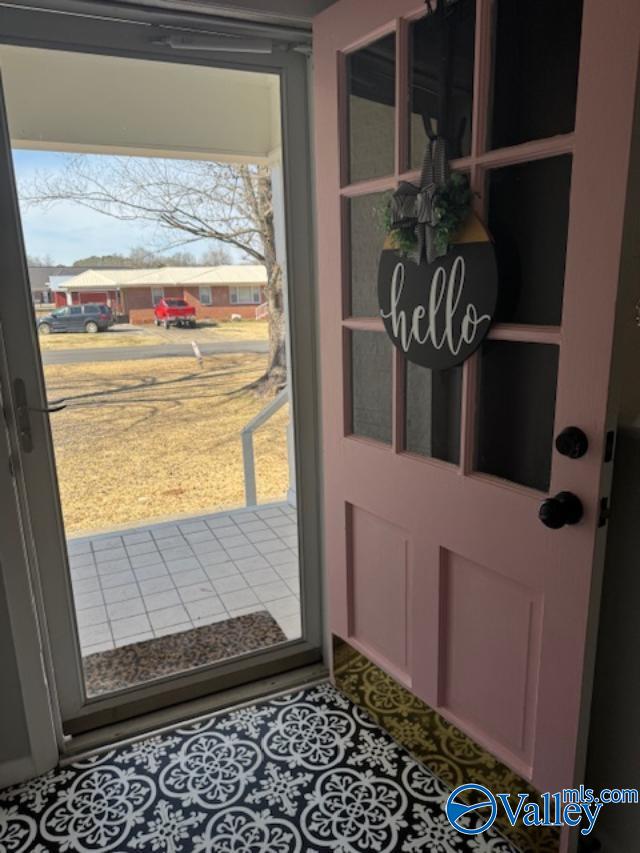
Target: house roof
(99, 279)
(39, 276)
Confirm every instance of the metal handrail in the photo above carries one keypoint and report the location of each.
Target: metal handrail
(248, 457)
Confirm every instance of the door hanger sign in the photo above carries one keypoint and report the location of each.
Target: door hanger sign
(439, 313)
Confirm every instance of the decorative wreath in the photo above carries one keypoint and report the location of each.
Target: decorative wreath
(450, 205)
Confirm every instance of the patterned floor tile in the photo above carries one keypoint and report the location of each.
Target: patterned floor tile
(304, 773)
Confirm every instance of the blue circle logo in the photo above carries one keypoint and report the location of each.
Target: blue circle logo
(457, 808)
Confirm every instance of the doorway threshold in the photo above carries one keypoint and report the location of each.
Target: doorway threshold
(126, 731)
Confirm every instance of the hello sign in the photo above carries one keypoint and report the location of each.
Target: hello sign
(438, 314)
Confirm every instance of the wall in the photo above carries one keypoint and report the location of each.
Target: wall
(614, 742)
(221, 309)
(137, 304)
(614, 746)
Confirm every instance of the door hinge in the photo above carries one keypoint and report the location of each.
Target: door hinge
(609, 445)
(605, 512)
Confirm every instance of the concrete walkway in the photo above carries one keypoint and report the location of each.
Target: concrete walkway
(160, 579)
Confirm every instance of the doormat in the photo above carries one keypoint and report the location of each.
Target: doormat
(308, 771)
(149, 659)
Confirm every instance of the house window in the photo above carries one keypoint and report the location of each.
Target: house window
(204, 295)
(157, 293)
(245, 295)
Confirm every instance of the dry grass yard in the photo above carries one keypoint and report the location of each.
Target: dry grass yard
(245, 330)
(150, 439)
(79, 340)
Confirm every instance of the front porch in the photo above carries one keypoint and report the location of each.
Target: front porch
(158, 579)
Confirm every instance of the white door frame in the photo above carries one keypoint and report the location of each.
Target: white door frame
(137, 38)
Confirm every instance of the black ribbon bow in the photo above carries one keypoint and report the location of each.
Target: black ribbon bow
(413, 206)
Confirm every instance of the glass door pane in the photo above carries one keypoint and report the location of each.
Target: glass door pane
(425, 75)
(517, 398)
(371, 95)
(182, 539)
(536, 57)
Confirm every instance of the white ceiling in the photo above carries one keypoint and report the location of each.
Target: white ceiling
(102, 104)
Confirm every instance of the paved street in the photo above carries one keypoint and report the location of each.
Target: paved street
(74, 356)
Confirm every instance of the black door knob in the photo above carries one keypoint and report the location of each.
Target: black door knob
(572, 442)
(565, 508)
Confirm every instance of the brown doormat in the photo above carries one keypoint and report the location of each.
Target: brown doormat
(140, 662)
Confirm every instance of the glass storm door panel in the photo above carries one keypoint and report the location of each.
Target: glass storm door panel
(145, 570)
(439, 568)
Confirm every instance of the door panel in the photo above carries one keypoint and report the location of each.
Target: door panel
(379, 588)
(490, 652)
(433, 481)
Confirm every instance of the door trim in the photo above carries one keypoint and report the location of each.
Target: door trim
(18, 582)
(126, 37)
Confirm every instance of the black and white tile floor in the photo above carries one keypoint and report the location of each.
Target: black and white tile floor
(304, 773)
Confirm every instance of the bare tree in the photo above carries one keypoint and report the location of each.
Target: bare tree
(40, 261)
(186, 201)
(215, 256)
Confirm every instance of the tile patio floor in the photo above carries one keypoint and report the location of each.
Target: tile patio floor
(160, 579)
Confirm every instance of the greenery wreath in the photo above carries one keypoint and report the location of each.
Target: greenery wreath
(451, 207)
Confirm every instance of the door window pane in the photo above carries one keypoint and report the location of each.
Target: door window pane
(426, 73)
(516, 409)
(371, 91)
(433, 412)
(537, 49)
(367, 241)
(371, 385)
(169, 488)
(528, 220)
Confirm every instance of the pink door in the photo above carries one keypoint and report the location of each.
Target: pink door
(440, 570)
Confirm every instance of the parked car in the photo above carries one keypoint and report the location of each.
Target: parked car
(89, 318)
(174, 312)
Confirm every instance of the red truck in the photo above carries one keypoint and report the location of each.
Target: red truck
(174, 312)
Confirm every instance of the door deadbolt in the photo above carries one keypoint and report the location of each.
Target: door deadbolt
(572, 442)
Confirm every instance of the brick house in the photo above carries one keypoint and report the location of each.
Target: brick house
(45, 279)
(216, 292)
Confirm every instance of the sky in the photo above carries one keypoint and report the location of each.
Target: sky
(68, 231)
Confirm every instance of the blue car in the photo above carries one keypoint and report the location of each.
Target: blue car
(89, 318)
